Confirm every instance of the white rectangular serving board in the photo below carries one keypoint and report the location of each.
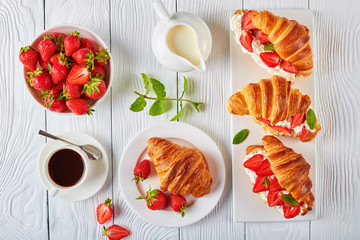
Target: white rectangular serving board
(248, 206)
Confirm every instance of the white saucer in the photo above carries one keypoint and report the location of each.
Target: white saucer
(98, 170)
(185, 135)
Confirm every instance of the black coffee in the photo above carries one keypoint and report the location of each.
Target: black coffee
(66, 167)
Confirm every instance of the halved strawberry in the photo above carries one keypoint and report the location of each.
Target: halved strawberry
(264, 169)
(271, 59)
(259, 185)
(304, 133)
(246, 40)
(274, 198)
(263, 120)
(246, 22)
(298, 119)
(274, 184)
(288, 67)
(78, 75)
(263, 38)
(104, 211)
(282, 129)
(291, 211)
(254, 162)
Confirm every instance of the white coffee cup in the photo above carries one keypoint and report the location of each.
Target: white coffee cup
(55, 187)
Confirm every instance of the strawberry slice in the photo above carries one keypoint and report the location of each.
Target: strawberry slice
(291, 211)
(304, 133)
(263, 120)
(298, 119)
(288, 67)
(78, 75)
(247, 23)
(282, 129)
(246, 40)
(263, 38)
(274, 198)
(104, 211)
(264, 169)
(259, 185)
(274, 184)
(254, 162)
(271, 59)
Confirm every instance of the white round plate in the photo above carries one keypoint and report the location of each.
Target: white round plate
(98, 170)
(185, 135)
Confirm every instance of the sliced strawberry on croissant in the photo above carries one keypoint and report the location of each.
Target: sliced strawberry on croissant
(274, 198)
(298, 119)
(304, 133)
(291, 211)
(260, 184)
(274, 184)
(264, 169)
(246, 40)
(271, 59)
(263, 38)
(254, 162)
(247, 23)
(288, 67)
(285, 130)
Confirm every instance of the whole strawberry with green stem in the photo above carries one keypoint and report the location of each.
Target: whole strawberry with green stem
(101, 57)
(178, 204)
(58, 74)
(142, 171)
(58, 39)
(71, 43)
(40, 80)
(155, 199)
(71, 91)
(79, 106)
(86, 43)
(46, 48)
(115, 232)
(95, 88)
(52, 101)
(29, 57)
(104, 211)
(82, 56)
(60, 60)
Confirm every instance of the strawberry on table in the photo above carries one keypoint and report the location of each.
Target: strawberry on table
(155, 199)
(40, 80)
(52, 101)
(98, 72)
(29, 57)
(246, 40)
(142, 170)
(46, 48)
(71, 43)
(104, 211)
(83, 56)
(115, 232)
(95, 88)
(71, 91)
(79, 106)
(86, 43)
(274, 198)
(247, 23)
(178, 204)
(78, 75)
(271, 59)
(264, 169)
(58, 74)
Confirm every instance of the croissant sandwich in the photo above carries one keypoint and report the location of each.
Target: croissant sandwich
(182, 170)
(280, 177)
(280, 109)
(279, 45)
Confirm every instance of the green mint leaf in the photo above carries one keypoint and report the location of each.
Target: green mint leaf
(266, 182)
(269, 47)
(196, 106)
(240, 136)
(289, 199)
(311, 119)
(138, 105)
(146, 83)
(157, 108)
(185, 87)
(159, 88)
(178, 115)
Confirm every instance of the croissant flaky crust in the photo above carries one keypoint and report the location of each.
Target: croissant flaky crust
(182, 170)
(271, 99)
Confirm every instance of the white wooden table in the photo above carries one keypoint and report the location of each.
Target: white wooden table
(27, 212)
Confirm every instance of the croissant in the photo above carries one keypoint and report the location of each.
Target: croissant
(280, 109)
(182, 170)
(291, 42)
(289, 168)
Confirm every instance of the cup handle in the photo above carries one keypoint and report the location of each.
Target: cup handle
(53, 192)
(160, 10)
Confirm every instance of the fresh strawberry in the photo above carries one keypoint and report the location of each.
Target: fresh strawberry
(155, 199)
(60, 60)
(81, 56)
(71, 43)
(178, 203)
(142, 170)
(247, 23)
(288, 67)
(52, 101)
(79, 106)
(29, 57)
(56, 35)
(40, 80)
(86, 43)
(58, 74)
(271, 59)
(290, 211)
(95, 88)
(263, 120)
(259, 185)
(274, 198)
(46, 48)
(60, 86)
(246, 40)
(98, 72)
(101, 57)
(254, 162)
(115, 232)
(71, 91)
(45, 64)
(104, 211)
(73, 64)
(263, 38)
(274, 184)
(304, 133)
(58, 39)
(285, 130)
(298, 119)
(264, 169)
(78, 75)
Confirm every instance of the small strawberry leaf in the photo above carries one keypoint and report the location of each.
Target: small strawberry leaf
(159, 88)
(157, 108)
(138, 105)
(240, 136)
(289, 199)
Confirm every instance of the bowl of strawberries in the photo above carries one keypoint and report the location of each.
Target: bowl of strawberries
(67, 69)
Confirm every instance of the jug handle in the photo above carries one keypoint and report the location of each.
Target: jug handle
(160, 10)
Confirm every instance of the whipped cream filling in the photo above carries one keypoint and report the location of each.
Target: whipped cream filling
(258, 47)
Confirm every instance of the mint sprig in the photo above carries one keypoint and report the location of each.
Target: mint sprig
(289, 199)
(159, 107)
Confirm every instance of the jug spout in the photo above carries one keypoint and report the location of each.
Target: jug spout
(201, 67)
